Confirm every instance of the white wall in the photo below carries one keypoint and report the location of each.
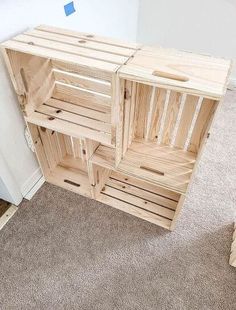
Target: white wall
(200, 26)
(106, 17)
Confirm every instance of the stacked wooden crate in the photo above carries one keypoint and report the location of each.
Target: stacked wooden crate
(121, 123)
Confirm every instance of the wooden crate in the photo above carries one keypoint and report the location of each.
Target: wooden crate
(122, 123)
(66, 81)
(63, 159)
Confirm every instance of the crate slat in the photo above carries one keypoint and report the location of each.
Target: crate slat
(103, 116)
(81, 42)
(71, 50)
(74, 118)
(186, 120)
(68, 128)
(77, 80)
(61, 56)
(81, 96)
(88, 36)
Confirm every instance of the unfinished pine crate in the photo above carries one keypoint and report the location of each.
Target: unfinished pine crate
(121, 123)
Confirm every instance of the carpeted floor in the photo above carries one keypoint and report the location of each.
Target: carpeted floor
(63, 251)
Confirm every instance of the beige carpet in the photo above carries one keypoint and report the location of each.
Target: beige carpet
(63, 251)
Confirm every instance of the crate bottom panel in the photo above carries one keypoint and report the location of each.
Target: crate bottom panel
(140, 199)
(69, 174)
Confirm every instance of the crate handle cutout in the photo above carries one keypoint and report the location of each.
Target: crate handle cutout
(152, 170)
(72, 183)
(170, 76)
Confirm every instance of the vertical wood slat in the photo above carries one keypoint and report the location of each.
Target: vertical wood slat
(159, 102)
(144, 93)
(151, 106)
(55, 145)
(91, 147)
(40, 152)
(68, 144)
(47, 145)
(186, 120)
(118, 117)
(126, 120)
(171, 117)
(202, 124)
(62, 145)
(132, 112)
(83, 149)
(76, 147)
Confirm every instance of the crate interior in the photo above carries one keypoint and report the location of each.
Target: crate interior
(139, 198)
(63, 96)
(63, 159)
(162, 134)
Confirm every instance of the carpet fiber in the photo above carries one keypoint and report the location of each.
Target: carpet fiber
(63, 251)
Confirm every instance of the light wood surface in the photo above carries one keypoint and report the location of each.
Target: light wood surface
(200, 75)
(117, 122)
(161, 165)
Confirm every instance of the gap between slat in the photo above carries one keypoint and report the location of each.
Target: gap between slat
(80, 45)
(87, 78)
(144, 189)
(69, 52)
(136, 206)
(87, 38)
(82, 115)
(67, 121)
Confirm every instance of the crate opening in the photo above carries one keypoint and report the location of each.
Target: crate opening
(140, 198)
(63, 96)
(63, 159)
(162, 134)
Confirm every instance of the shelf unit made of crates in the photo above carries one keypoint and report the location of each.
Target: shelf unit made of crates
(118, 122)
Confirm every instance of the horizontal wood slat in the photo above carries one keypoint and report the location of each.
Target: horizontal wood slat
(61, 56)
(92, 113)
(73, 50)
(88, 36)
(74, 118)
(136, 201)
(81, 97)
(82, 42)
(77, 80)
(68, 128)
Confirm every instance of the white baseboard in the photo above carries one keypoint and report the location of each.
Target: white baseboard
(32, 185)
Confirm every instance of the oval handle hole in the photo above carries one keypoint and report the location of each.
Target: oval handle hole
(82, 41)
(71, 183)
(171, 76)
(152, 170)
(90, 36)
